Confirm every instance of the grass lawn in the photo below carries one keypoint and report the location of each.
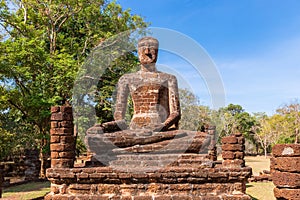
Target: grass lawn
(259, 190)
(26, 191)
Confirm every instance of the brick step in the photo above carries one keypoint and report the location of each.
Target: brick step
(149, 197)
(148, 160)
(160, 160)
(187, 156)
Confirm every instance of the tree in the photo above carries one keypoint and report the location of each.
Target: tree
(270, 131)
(43, 45)
(234, 118)
(193, 115)
(291, 112)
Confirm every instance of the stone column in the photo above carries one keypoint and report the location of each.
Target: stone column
(233, 147)
(285, 171)
(62, 142)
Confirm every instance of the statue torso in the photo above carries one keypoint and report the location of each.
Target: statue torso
(150, 96)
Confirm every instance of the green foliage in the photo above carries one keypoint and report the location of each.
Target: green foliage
(107, 86)
(44, 43)
(280, 128)
(6, 143)
(232, 119)
(193, 115)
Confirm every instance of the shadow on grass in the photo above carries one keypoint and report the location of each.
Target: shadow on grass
(28, 187)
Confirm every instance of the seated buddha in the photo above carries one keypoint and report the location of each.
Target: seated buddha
(156, 116)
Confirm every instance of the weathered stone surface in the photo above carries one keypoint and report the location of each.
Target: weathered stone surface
(54, 124)
(62, 163)
(55, 109)
(284, 193)
(61, 116)
(239, 155)
(229, 140)
(241, 140)
(285, 171)
(233, 163)
(236, 197)
(67, 139)
(61, 131)
(146, 197)
(232, 147)
(286, 150)
(65, 124)
(170, 182)
(54, 139)
(286, 164)
(228, 155)
(61, 147)
(286, 179)
(66, 109)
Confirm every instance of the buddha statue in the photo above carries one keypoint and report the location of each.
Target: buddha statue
(156, 115)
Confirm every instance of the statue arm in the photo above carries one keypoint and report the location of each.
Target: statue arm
(122, 97)
(174, 104)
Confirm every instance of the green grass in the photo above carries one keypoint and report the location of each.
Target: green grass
(259, 190)
(27, 191)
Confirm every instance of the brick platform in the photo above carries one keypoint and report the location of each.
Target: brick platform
(141, 176)
(167, 182)
(285, 171)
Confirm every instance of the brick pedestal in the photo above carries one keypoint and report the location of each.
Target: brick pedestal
(233, 151)
(167, 183)
(285, 171)
(167, 175)
(62, 140)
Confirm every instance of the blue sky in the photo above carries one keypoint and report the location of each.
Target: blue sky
(255, 45)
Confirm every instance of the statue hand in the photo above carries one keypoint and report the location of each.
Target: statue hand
(114, 126)
(159, 127)
(95, 130)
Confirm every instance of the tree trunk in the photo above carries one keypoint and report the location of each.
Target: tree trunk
(43, 160)
(265, 147)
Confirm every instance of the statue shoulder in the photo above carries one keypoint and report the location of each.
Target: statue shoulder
(168, 76)
(126, 78)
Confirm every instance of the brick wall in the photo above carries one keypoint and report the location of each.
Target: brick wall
(285, 171)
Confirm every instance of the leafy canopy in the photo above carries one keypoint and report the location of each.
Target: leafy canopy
(43, 44)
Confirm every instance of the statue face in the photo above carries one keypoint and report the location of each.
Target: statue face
(148, 52)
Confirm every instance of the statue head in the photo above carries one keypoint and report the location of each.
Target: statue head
(147, 50)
